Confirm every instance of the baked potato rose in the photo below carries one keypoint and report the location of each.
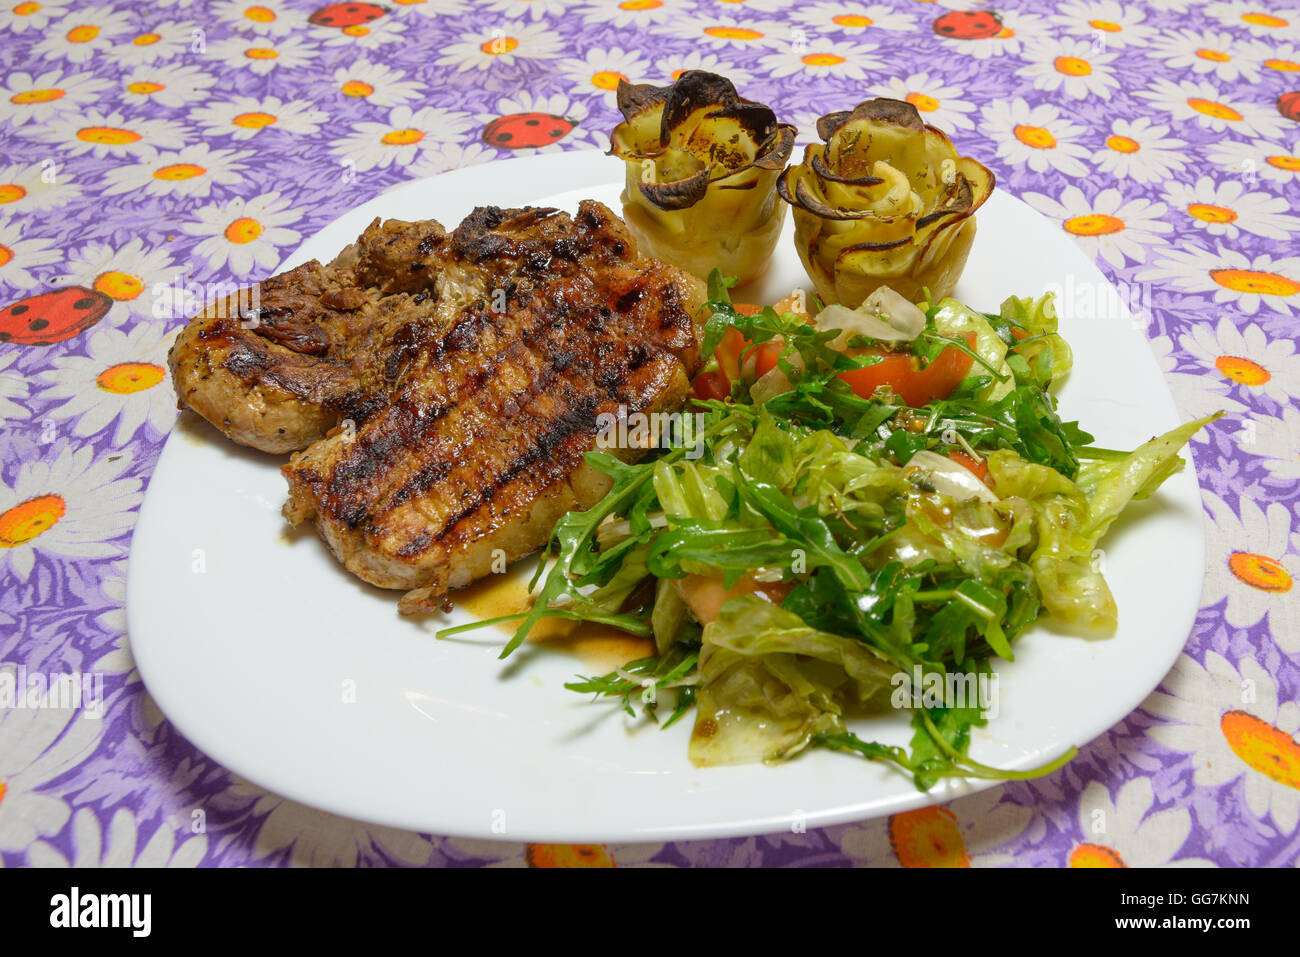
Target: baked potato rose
(885, 200)
(702, 167)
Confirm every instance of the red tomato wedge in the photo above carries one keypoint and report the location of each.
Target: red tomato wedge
(731, 352)
(913, 384)
(978, 467)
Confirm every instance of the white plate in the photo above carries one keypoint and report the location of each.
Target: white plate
(290, 672)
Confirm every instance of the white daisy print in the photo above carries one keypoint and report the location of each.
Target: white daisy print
(1036, 136)
(628, 13)
(1276, 442)
(38, 745)
(506, 854)
(1261, 19)
(939, 105)
(1139, 150)
(247, 235)
(983, 34)
(162, 41)
(601, 70)
(28, 98)
(1231, 722)
(671, 65)
(43, 185)
(853, 18)
(261, 55)
(13, 389)
(1247, 358)
(966, 833)
(69, 506)
(406, 133)
(1277, 58)
(81, 34)
(168, 85)
(723, 32)
(187, 172)
(1248, 284)
(1072, 66)
(1247, 562)
(1106, 226)
(246, 116)
(541, 124)
(1126, 833)
(1225, 209)
(500, 46)
(449, 156)
(111, 134)
(1195, 394)
(1201, 101)
(365, 36)
(123, 379)
(1258, 158)
(1210, 51)
(377, 84)
(433, 8)
(18, 256)
(126, 274)
(1108, 24)
(534, 9)
(21, 17)
(823, 57)
(120, 846)
(273, 18)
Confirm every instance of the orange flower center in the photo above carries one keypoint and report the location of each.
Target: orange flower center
(146, 39)
(254, 121)
(37, 96)
(6, 255)
(499, 45)
(1095, 855)
(20, 524)
(261, 53)
(260, 14)
(1036, 137)
(1220, 111)
(852, 20)
(1259, 571)
(607, 79)
(119, 285)
(126, 378)
(403, 137)
(1211, 214)
(108, 135)
(1123, 144)
(178, 171)
(928, 837)
(1217, 56)
(1242, 370)
(357, 30)
(1072, 66)
(1264, 20)
(923, 103)
(1285, 66)
(1290, 163)
(1093, 224)
(82, 34)
(11, 193)
(733, 33)
(640, 4)
(1255, 282)
(26, 10)
(1267, 749)
(243, 230)
(145, 87)
(1106, 25)
(822, 59)
(568, 855)
(357, 88)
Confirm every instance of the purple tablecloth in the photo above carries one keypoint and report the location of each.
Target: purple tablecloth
(150, 145)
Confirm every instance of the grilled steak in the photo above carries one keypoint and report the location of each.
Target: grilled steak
(446, 386)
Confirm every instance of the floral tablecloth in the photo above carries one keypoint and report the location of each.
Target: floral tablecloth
(151, 145)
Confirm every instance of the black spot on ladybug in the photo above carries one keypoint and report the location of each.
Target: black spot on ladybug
(968, 24)
(518, 131)
(58, 314)
(343, 15)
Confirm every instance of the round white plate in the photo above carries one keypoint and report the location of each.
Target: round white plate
(271, 658)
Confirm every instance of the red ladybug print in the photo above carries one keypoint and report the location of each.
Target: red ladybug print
(1288, 104)
(969, 25)
(52, 316)
(522, 131)
(346, 14)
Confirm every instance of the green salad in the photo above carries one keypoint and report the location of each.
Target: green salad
(870, 493)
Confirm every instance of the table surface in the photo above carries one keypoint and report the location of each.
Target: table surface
(150, 145)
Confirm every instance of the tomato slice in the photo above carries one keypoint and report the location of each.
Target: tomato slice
(978, 467)
(706, 595)
(913, 384)
(732, 351)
